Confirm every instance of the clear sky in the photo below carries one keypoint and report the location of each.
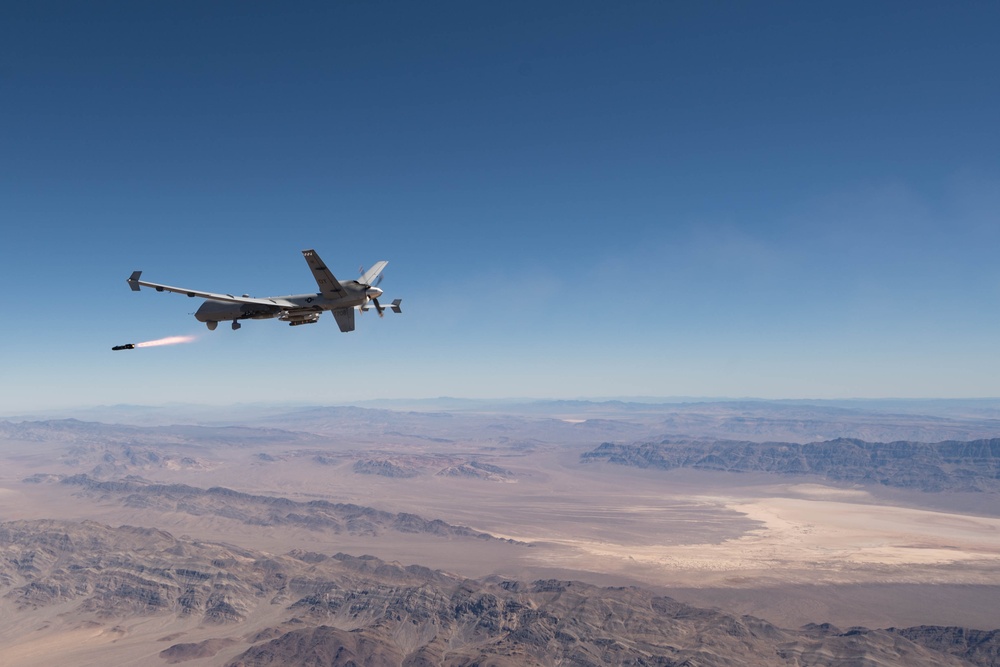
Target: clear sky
(576, 199)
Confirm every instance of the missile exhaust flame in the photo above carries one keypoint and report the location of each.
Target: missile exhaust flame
(169, 340)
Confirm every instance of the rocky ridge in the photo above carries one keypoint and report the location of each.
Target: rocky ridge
(345, 610)
(942, 466)
(260, 510)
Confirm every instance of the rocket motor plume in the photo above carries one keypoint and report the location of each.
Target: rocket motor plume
(169, 340)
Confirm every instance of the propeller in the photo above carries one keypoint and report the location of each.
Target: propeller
(372, 292)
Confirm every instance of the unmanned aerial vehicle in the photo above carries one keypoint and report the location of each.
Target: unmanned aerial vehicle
(343, 298)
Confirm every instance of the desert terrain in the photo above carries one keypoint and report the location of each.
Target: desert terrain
(512, 493)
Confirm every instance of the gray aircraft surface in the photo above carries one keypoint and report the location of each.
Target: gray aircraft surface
(343, 298)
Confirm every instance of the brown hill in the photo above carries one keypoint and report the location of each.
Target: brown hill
(312, 609)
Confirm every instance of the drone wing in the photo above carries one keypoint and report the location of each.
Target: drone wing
(134, 283)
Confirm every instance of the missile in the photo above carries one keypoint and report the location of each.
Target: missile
(126, 346)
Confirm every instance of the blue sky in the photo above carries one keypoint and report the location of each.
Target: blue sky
(576, 199)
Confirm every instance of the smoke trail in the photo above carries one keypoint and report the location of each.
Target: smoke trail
(169, 340)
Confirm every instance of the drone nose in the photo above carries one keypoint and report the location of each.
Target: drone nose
(374, 292)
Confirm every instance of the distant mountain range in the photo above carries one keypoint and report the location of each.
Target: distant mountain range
(929, 420)
(943, 466)
(74, 431)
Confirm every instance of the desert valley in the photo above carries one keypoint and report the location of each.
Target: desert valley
(508, 533)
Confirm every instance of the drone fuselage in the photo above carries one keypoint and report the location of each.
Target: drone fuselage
(294, 305)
